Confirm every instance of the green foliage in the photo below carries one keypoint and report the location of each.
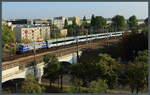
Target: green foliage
(50, 58)
(74, 89)
(66, 23)
(131, 43)
(64, 69)
(74, 24)
(109, 69)
(46, 38)
(73, 29)
(146, 21)
(52, 68)
(84, 23)
(51, 72)
(118, 22)
(137, 72)
(30, 85)
(8, 36)
(132, 22)
(52, 26)
(57, 35)
(100, 22)
(100, 66)
(77, 83)
(70, 30)
(99, 86)
(92, 20)
(145, 32)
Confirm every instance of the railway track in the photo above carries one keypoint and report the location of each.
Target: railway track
(92, 44)
(25, 60)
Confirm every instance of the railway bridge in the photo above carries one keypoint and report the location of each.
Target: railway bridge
(21, 70)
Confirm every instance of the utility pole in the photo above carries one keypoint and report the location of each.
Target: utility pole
(77, 46)
(87, 37)
(34, 50)
(108, 35)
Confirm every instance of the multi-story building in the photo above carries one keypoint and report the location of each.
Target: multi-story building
(21, 21)
(32, 33)
(71, 19)
(59, 22)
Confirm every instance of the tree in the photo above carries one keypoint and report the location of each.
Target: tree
(46, 38)
(100, 22)
(109, 69)
(30, 85)
(77, 84)
(118, 22)
(64, 69)
(84, 23)
(100, 66)
(135, 42)
(46, 58)
(50, 58)
(51, 72)
(137, 72)
(99, 86)
(93, 20)
(132, 22)
(8, 36)
(145, 33)
(74, 24)
(57, 35)
(146, 21)
(52, 26)
(51, 69)
(66, 23)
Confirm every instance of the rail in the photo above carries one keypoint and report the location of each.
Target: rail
(29, 59)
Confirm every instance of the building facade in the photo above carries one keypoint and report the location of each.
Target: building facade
(31, 33)
(71, 19)
(59, 22)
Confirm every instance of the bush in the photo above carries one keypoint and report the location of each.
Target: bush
(99, 86)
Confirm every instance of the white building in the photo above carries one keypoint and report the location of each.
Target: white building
(59, 22)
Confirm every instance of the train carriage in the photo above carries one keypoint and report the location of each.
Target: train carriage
(66, 41)
(25, 47)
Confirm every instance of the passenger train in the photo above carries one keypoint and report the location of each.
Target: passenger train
(65, 41)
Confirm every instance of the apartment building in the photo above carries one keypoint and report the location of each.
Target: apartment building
(60, 21)
(32, 33)
(71, 19)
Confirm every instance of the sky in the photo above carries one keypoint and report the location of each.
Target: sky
(34, 10)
